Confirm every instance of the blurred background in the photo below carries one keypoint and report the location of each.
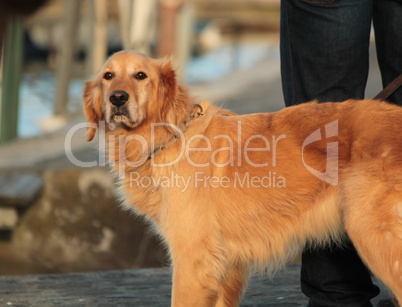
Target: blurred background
(58, 217)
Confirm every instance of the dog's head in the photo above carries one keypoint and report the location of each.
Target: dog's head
(129, 90)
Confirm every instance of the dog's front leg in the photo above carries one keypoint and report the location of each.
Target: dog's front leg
(197, 278)
(192, 286)
(233, 285)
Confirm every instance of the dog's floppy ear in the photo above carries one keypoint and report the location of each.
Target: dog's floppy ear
(171, 94)
(93, 106)
(167, 88)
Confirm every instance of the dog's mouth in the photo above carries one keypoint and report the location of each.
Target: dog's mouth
(118, 117)
(123, 119)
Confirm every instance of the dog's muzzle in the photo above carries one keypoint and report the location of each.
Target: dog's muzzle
(119, 98)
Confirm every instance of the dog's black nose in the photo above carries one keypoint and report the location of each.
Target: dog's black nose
(118, 98)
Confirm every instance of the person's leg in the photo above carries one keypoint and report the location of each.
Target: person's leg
(336, 277)
(324, 49)
(324, 56)
(387, 20)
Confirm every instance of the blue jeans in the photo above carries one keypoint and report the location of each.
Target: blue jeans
(325, 43)
(324, 56)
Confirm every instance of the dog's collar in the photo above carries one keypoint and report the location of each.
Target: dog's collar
(196, 111)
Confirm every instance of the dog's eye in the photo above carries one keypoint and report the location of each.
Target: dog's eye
(140, 76)
(108, 76)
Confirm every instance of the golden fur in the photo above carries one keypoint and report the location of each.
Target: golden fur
(252, 199)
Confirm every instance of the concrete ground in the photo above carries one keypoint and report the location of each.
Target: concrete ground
(139, 288)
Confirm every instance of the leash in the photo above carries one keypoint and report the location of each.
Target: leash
(196, 111)
(390, 88)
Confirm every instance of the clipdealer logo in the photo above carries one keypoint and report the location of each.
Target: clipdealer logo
(330, 175)
(242, 150)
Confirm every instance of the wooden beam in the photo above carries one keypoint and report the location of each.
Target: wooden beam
(137, 24)
(97, 50)
(11, 67)
(66, 55)
(167, 32)
(125, 9)
(184, 38)
(20, 189)
(142, 25)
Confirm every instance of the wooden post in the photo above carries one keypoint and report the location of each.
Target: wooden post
(142, 25)
(97, 50)
(167, 27)
(137, 23)
(125, 9)
(11, 67)
(184, 37)
(66, 55)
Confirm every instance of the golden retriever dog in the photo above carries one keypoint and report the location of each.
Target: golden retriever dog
(230, 194)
